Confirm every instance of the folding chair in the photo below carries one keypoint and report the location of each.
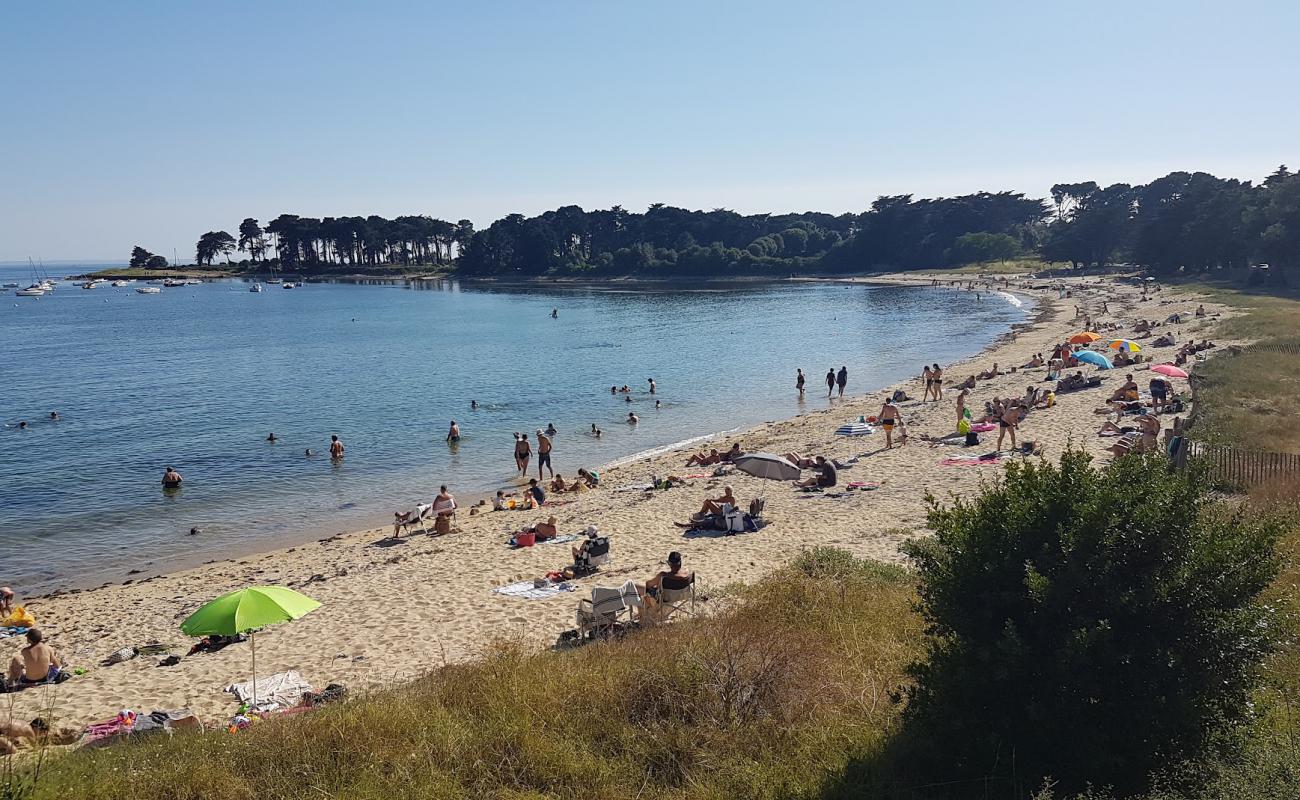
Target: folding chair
(608, 611)
(675, 594)
(404, 521)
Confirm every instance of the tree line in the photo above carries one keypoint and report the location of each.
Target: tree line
(1190, 222)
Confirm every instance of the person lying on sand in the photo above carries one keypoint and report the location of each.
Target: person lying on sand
(800, 460)
(703, 459)
(990, 373)
(35, 663)
(967, 384)
(1071, 383)
(1036, 361)
(734, 453)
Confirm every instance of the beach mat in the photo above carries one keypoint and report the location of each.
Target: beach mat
(525, 590)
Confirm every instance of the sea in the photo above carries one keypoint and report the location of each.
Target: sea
(197, 377)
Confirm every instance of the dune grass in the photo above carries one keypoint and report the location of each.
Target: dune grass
(769, 697)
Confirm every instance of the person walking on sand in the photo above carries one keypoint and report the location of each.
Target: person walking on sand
(936, 375)
(523, 452)
(453, 433)
(889, 417)
(927, 383)
(799, 381)
(336, 448)
(830, 382)
(842, 380)
(543, 454)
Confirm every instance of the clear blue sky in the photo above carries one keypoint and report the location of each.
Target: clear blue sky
(152, 122)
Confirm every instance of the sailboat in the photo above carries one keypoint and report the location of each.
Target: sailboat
(37, 288)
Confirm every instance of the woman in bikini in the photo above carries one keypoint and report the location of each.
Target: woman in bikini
(936, 375)
(523, 452)
(928, 381)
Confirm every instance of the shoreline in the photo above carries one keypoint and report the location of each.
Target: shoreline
(394, 610)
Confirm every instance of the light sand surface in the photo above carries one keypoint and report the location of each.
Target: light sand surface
(393, 610)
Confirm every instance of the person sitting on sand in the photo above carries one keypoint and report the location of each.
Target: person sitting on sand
(1031, 397)
(35, 663)
(825, 477)
(1200, 311)
(673, 578)
(6, 601)
(1036, 361)
(546, 530)
(171, 479)
(1071, 383)
(990, 373)
(704, 459)
(589, 477)
(558, 484)
(734, 453)
(499, 502)
(967, 384)
(536, 496)
(714, 505)
(1127, 392)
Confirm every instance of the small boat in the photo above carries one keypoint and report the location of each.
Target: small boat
(11, 286)
(288, 285)
(119, 283)
(256, 287)
(34, 290)
(89, 285)
(148, 290)
(47, 286)
(193, 282)
(172, 283)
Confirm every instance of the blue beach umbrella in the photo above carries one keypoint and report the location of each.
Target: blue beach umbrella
(1094, 358)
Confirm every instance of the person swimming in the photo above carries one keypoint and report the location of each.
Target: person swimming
(473, 404)
(551, 429)
(658, 405)
(54, 416)
(632, 419)
(270, 437)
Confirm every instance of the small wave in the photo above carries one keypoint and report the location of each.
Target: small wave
(1012, 299)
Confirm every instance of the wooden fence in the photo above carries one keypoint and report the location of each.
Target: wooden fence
(1239, 467)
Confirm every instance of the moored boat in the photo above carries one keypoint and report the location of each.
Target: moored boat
(34, 290)
(148, 290)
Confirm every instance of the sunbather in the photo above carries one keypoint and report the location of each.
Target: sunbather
(703, 459)
(800, 460)
(714, 505)
(35, 663)
(734, 453)
(990, 373)
(546, 530)
(672, 578)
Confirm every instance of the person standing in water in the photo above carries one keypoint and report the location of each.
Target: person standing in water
(543, 454)
(171, 479)
(453, 434)
(336, 448)
(842, 380)
(799, 381)
(473, 405)
(652, 385)
(830, 382)
(555, 313)
(523, 452)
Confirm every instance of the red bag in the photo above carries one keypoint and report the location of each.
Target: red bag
(525, 539)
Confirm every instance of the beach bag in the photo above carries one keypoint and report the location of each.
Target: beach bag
(525, 539)
(963, 427)
(20, 617)
(972, 439)
(442, 524)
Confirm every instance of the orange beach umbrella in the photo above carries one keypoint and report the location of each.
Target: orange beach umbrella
(1087, 337)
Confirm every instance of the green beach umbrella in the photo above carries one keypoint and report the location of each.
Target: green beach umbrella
(246, 610)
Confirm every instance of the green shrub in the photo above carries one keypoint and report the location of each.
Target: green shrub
(1087, 624)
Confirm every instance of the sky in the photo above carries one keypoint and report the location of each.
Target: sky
(150, 123)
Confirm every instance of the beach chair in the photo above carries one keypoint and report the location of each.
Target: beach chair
(608, 611)
(595, 552)
(404, 521)
(675, 595)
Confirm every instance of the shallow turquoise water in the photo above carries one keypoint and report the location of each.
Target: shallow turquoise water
(197, 376)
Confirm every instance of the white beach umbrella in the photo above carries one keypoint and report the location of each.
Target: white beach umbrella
(855, 429)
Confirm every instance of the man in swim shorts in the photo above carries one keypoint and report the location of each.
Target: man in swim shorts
(543, 453)
(336, 447)
(453, 433)
(888, 417)
(35, 663)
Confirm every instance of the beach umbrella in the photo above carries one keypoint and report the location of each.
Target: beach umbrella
(246, 610)
(854, 429)
(1126, 344)
(1087, 337)
(767, 465)
(1096, 359)
(1169, 370)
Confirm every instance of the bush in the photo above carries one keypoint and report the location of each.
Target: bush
(1092, 625)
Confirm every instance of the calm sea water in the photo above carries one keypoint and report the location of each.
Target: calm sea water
(196, 377)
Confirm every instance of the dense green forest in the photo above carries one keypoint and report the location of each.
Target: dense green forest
(1189, 222)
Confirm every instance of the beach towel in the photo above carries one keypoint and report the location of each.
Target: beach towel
(635, 487)
(525, 590)
(570, 537)
(282, 690)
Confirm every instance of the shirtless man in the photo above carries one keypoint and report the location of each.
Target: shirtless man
(1128, 391)
(543, 454)
(990, 373)
(889, 417)
(704, 459)
(336, 448)
(453, 433)
(35, 663)
(672, 578)
(171, 479)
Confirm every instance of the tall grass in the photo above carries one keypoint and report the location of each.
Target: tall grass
(769, 697)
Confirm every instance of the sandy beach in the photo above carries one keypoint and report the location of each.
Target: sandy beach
(394, 609)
